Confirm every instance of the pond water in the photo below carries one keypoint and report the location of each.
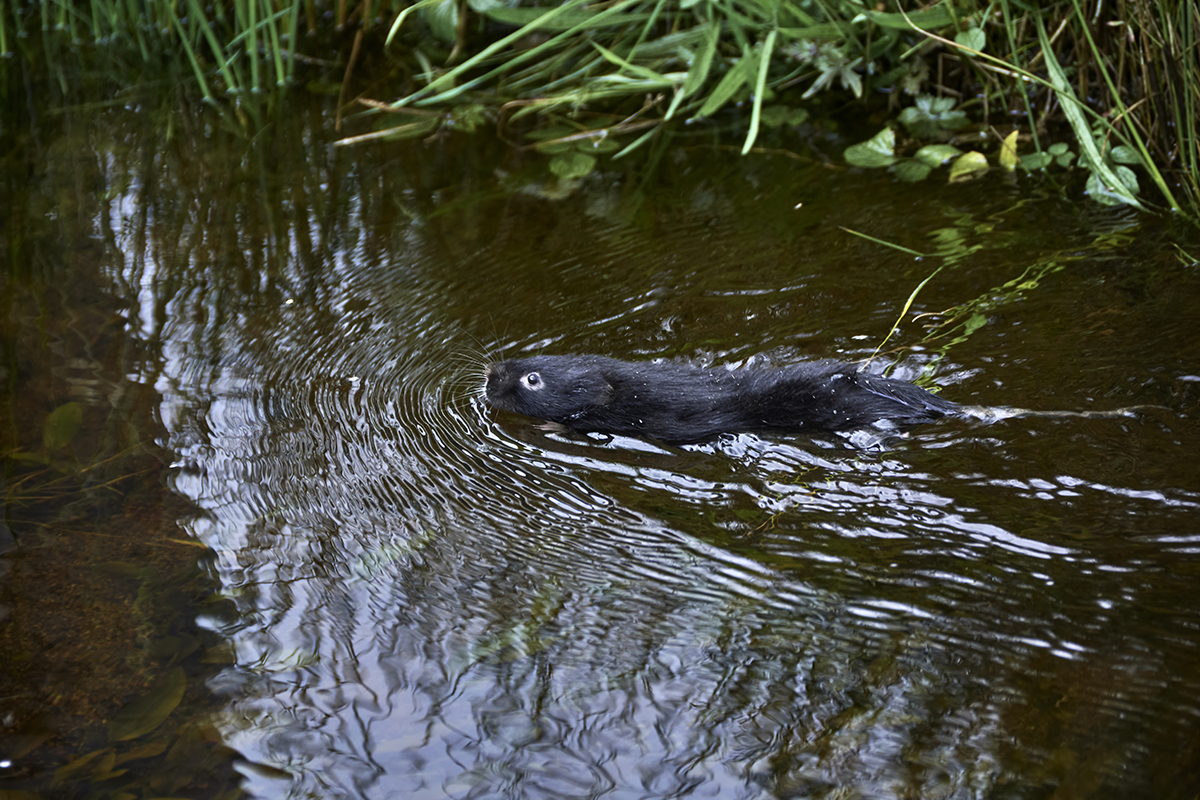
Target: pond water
(264, 538)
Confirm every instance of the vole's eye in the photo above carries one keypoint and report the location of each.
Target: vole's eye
(532, 380)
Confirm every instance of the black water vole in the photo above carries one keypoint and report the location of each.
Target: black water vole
(683, 403)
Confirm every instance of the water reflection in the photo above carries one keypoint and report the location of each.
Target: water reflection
(437, 603)
(434, 601)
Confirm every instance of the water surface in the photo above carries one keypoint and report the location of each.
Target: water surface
(401, 593)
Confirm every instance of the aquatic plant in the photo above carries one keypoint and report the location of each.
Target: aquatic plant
(1115, 84)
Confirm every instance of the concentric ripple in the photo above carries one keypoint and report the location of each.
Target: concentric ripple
(435, 599)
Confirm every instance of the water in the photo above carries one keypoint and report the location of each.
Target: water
(399, 593)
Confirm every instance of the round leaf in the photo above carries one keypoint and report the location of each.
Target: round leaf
(1125, 155)
(442, 18)
(572, 165)
(876, 152)
(969, 165)
(1036, 161)
(1127, 177)
(972, 37)
(937, 154)
(1065, 159)
(911, 170)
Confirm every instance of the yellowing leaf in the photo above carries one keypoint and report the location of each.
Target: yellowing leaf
(969, 165)
(1008, 152)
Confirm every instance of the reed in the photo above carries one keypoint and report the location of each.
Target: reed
(1119, 82)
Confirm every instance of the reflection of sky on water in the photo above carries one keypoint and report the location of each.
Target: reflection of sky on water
(432, 602)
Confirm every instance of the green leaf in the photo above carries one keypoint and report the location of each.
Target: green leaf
(1109, 195)
(730, 83)
(929, 19)
(1073, 110)
(638, 142)
(566, 20)
(972, 38)
(1128, 178)
(969, 165)
(1064, 159)
(61, 425)
(759, 90)
(878, 151)
(442, 18)
(148, 712)
(572, 165)
(934, 155)
(935, 106)
(1123, 154)
(929, 116)
(698, 72)
(912, 170)
(644, 72)
(1036, 161)
(974, 323)
(453, 78)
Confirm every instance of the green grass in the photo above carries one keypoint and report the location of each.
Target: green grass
(1116, 83)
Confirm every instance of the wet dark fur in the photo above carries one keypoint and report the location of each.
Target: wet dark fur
(678, 402)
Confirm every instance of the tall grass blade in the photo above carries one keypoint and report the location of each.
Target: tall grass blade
(293, 28)
(198, 18)
(760, 88)
(4, 51)
(644, 72)
(528, 55)
(191, 54)
(252, 29)
(1122, 110)
(1073, 110)
(728, 86)
(701, 64)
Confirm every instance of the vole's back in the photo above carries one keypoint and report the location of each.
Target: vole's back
(679, 402)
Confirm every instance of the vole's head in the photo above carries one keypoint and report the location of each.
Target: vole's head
(555, 388)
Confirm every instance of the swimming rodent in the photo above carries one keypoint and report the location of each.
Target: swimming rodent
(678, 402)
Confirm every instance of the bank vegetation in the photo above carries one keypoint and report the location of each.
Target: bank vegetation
(1110, 88)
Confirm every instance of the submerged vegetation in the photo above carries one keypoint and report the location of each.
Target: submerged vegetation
(1113, 88)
